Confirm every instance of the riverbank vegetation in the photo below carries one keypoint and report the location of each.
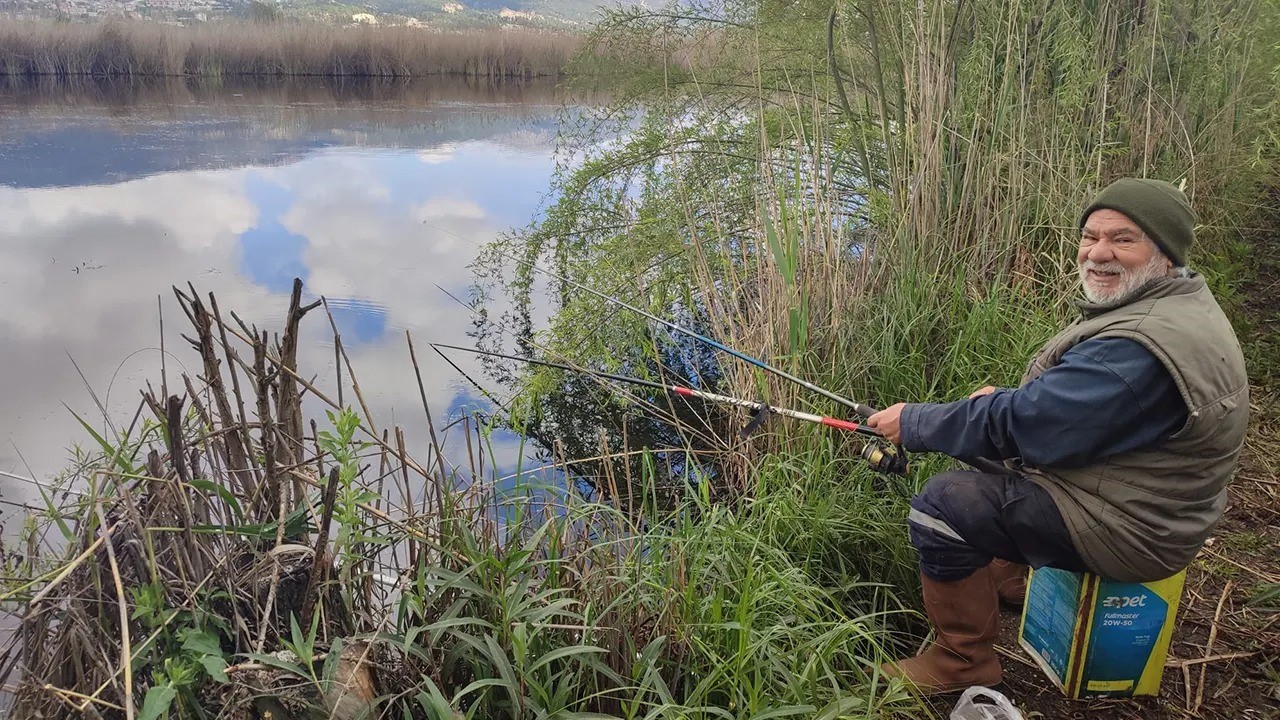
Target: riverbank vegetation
(224, 559)
(138, 48)
(879, 197)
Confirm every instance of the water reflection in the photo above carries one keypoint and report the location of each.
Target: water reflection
(372, 195)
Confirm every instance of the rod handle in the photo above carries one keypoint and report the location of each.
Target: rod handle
(865, 411)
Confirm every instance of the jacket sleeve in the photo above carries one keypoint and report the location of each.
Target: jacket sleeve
(1106, 396)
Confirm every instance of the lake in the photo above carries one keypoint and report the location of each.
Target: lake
(377, 195)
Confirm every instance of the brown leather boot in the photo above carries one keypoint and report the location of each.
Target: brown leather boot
(1010, 579)
(966, 618)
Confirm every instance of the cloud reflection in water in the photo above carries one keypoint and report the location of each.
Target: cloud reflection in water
(373, 226)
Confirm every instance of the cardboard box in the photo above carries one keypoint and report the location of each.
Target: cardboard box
(1096, 637)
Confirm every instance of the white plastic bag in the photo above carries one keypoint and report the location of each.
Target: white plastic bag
(979, 703)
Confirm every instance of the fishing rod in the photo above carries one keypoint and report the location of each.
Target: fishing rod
(883, 459)
(865, 411)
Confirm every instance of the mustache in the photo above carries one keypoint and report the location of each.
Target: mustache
(1106, 267)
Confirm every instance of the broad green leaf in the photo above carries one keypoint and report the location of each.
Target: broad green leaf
(156, 705)
(563, 653)
(215, 666)
(499, 659)
(478, 684)
(330, 668)
(841, 706)
(434, 701)
(201, 642)
(117, 458)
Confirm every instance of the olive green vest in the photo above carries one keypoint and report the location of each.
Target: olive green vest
(1143, 515)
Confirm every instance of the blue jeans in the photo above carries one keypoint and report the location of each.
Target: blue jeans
(961, 520)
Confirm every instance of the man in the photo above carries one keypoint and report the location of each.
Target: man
(1121, 439)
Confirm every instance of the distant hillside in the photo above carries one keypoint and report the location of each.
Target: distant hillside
(457, 12)
(575, 10)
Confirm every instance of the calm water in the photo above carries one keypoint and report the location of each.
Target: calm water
(373, 195)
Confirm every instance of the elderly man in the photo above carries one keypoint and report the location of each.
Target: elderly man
(1121, 439)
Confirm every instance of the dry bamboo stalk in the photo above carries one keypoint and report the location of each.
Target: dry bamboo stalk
(243, 438)
(320, 395)
(85, 700)
(266, 436)
(288, 400)
(237, 447)
(268, 610)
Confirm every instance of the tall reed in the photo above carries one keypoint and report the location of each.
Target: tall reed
(136, 48)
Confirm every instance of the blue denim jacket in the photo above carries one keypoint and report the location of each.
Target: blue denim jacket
(1107, 396)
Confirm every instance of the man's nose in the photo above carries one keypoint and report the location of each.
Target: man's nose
(1101, 252)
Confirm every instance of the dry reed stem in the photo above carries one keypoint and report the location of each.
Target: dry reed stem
(126, 648)
(1208, 648)
(269, 605)
(85, 700)
(1256, 572)
(60, 576)
(1186, 662)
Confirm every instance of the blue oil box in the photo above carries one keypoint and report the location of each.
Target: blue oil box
(1096, 637)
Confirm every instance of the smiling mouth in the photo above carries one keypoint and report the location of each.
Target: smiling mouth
(1103, 276)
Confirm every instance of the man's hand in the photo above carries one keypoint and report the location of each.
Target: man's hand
(984, 391)
(888, 422)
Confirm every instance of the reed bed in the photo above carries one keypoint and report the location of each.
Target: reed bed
(137, 48)
(220, 556)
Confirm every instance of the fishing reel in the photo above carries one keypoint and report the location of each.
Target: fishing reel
(885, 459)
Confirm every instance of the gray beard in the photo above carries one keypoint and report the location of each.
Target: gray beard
(1132, 282)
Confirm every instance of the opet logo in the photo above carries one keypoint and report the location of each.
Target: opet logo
(1124, 601)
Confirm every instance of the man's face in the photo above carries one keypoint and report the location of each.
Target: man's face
(1116, 258)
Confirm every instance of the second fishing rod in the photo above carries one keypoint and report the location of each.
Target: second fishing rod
(983, 464)
(882, 458)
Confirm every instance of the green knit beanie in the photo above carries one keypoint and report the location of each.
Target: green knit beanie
(1159, 208)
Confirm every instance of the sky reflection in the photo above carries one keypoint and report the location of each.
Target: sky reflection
(103, 210)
